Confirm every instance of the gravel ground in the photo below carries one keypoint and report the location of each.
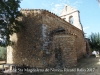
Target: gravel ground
(85, 66)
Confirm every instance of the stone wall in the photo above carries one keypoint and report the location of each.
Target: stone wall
(46, 40)
(54, 22)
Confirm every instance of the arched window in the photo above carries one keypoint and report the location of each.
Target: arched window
(71, 20)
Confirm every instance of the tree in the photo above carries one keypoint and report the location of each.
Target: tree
(98, 1)
(3, 53)
(9, 24)
(95, 41)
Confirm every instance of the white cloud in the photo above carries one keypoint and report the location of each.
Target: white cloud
(76, 4)
(99, 4)
(52, 3)
(45, 5)
(57, 8)
(59, 5)
(85, 28)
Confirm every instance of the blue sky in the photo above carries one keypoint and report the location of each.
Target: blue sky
(89, 10)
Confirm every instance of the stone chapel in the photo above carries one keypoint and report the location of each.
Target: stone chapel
(48, 40)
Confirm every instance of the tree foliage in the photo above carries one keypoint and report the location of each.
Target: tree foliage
(95, 41)
(3, 53)
(9, 24)
(98, 1)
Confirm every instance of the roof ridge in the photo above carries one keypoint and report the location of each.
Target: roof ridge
(41, 10)
(48, 12)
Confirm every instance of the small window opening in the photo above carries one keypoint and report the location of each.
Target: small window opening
(66, 8)
(71, 20)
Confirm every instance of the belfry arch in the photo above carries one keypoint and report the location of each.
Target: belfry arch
(72, 16)
(71, 20)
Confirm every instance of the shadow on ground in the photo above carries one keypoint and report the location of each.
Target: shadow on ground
(85, 66)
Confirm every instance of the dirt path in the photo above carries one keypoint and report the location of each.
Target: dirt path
(85, 66)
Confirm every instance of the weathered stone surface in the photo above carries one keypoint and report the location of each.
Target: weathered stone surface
(45, 40)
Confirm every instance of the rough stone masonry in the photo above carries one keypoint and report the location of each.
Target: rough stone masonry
(46, 41)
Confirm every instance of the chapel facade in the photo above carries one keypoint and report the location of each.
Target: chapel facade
(48, 40)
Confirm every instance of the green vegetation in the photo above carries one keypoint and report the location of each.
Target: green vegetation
(95, 41)
(9, 24)
(3, 52)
